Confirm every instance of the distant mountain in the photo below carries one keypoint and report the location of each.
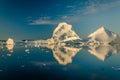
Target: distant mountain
(103, 35)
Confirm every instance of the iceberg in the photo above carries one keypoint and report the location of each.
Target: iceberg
(64, 33)
(102, 35)
(10, 41)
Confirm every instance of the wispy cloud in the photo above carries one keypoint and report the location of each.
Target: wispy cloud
(70, 6)
(69, 18)
(48, 21)
(75, 12)
(64, 17)
(95, 7)
(43, 21)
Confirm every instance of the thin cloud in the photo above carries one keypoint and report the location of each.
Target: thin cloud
(70, 6)
(43, 21)
(98, 7)
(93, 6)
(64, 17)
(49, 21)
(69, 18)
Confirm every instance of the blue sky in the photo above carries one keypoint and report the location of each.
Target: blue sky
(36, 19)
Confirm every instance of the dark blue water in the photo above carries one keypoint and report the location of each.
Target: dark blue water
(58, 63)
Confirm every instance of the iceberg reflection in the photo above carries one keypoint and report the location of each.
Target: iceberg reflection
(103, 51)
(10, 47)
(64, 53)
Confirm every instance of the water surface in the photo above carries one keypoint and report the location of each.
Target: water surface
(22, 62)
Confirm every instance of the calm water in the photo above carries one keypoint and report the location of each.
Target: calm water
(27, 62)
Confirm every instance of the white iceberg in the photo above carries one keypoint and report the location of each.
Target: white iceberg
(10, 41)
(102, 35)
(64, 33)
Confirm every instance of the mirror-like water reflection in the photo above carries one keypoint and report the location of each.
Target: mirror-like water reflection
(36, 61)
(64, 53)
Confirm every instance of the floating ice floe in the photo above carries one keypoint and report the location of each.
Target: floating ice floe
(10, 41)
